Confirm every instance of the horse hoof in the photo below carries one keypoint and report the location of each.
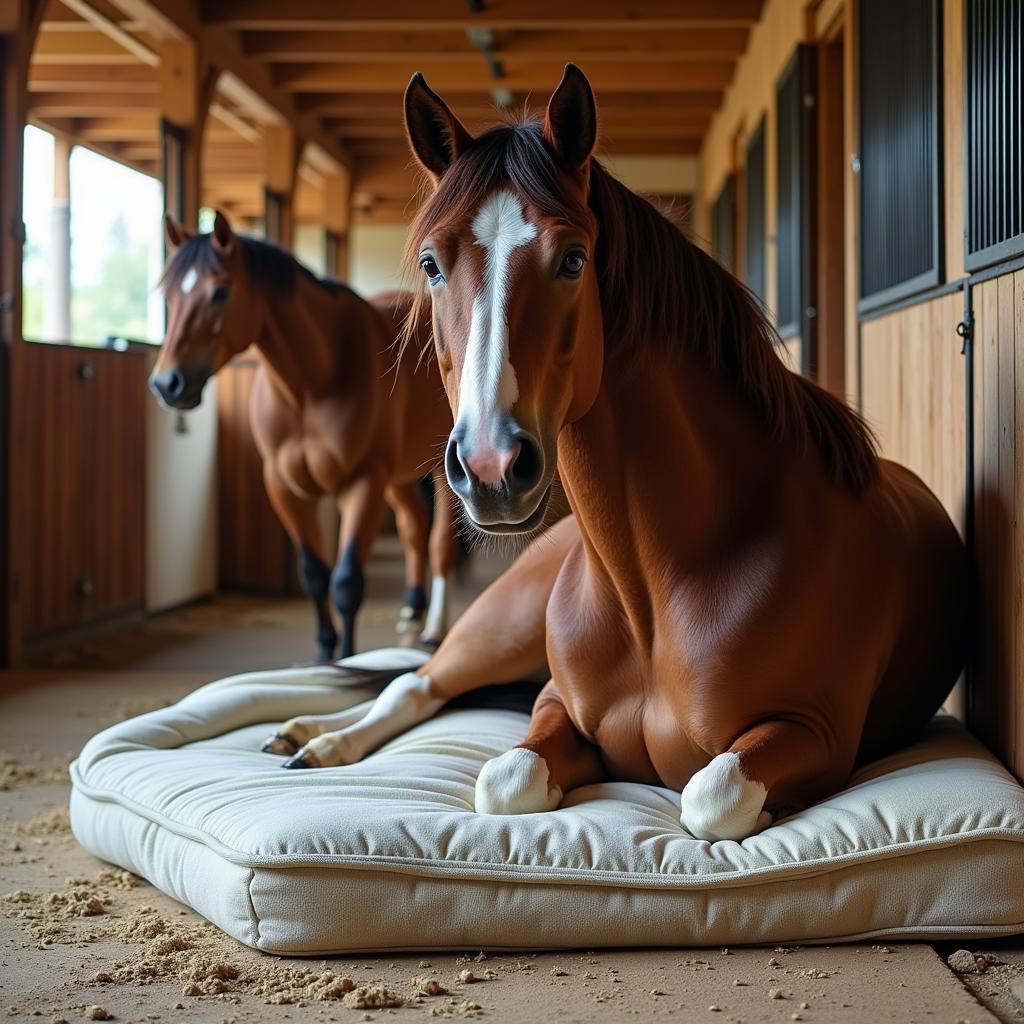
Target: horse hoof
(431, 643)
(279, 743)
(409, 621)
(303, 759)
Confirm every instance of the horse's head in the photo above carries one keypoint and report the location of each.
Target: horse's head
(506, 243)
(210, 315)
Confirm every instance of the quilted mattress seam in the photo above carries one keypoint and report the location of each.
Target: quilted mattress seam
(539, 873)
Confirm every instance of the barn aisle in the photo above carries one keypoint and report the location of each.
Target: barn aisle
(137, 955)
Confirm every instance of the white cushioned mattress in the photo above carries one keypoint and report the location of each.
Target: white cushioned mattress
(389, 853)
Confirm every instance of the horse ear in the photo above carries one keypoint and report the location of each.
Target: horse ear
(176, 232)
(435, 134)
(223, 236)
(570, 124)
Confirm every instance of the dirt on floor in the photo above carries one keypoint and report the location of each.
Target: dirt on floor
(83, 940)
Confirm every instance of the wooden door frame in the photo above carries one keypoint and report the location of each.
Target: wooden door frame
(19, 26)
(830, 241)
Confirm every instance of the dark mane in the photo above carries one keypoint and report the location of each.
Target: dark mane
(269, 266)
(691, 302)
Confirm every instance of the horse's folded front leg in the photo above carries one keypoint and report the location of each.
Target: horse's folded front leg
(777, 763)
(553, 759)
(403, 703)
(296, 732)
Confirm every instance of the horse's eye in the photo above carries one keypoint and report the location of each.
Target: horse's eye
(430, 269)
(572, 263)
(220, 293)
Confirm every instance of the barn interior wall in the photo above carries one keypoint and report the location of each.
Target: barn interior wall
(181, 501)
(905, 369)
(751, 96)
(375, 257)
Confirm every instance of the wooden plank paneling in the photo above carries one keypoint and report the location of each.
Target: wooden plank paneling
(998, 694)
(85, 456)
(255, 553)
(913, 394)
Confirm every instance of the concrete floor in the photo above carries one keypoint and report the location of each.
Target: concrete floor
(55, 965)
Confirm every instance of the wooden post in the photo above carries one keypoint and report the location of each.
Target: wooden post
(19, 24)
(337, 218)
(280, 165)
(57, 314)
(186, 86)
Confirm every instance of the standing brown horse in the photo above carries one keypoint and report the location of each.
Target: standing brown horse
(333, 411)
(747, 601)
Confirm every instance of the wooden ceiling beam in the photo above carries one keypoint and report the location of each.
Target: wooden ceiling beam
(520, 76)
(318, 15)
(89, 104)
(91, 47)
(453, 45)
(171, 20)
(134, 78)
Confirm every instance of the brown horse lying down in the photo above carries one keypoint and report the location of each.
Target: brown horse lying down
(333, 411)
(747, 601)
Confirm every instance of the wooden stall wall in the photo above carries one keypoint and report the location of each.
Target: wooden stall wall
(914, 378)
(750, 96)
(84, 458)
(997, 696)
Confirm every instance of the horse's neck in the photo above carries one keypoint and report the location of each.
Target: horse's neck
(662, 473)
(308, 344)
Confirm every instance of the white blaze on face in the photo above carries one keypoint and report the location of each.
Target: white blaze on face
(488, 379)
(188, 282)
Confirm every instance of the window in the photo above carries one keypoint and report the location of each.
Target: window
(755, 226)
(900, 241)
(93, 250)
(723, 224)
(993, 136)
(793, 107)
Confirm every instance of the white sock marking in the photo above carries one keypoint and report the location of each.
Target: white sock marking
(437, 611)
(488, 378)
(517, 782)
(720, 802)
(403, 703)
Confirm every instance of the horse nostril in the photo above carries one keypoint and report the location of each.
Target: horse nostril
(455, 470)
(176, 384)
(528, 467)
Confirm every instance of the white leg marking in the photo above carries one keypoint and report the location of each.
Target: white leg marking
(403, 703)
(517, 782)
(488, 378)
(720, 802)
(437, 611)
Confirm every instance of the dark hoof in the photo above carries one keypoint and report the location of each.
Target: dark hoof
(279, 743)
(325, 656)
(299, 760)
(430, 645)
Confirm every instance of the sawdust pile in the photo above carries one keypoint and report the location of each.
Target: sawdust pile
(15, 771)
(204, 962)
(47, 823)
(52, 917)
(963, 961)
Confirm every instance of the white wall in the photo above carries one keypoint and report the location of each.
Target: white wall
(375, 257)
(656, 175)
(181, 502)
(310, 248)
(375, 250)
